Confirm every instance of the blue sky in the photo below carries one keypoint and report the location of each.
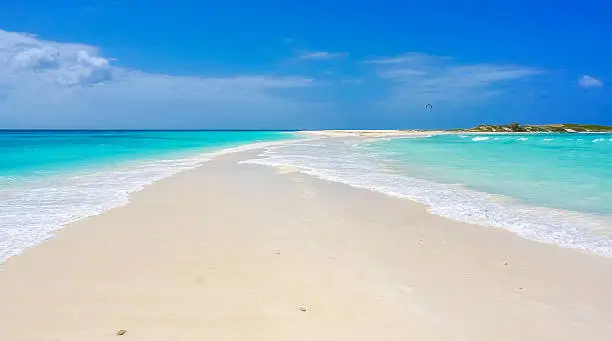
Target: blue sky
(303, 64)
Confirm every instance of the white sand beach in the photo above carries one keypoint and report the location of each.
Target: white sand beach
(233, 251)
(375, 133)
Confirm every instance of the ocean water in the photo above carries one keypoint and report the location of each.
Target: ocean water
(554, 188)
(51, 178)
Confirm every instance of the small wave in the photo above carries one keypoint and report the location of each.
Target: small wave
(363, 170)
(598, 140)
(480, 138)
(547, 140)
(31, 211)
(522, 139)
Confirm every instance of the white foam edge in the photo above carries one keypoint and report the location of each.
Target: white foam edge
(122, 200)
(266, 159)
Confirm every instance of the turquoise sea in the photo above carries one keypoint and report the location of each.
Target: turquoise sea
(50, 178)
(554, 188)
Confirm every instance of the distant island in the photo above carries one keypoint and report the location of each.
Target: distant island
(483, 128)
(550, 128)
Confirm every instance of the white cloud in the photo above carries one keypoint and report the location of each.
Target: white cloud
(320, 55)
(420, 77)
(48, 84)
(589, 82)
(393, 60)
(352, 81)
(23, 55)
(412, 57)
(400, 73)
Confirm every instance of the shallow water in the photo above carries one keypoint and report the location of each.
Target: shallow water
(565, 171)
(51, 178)
(553, 188)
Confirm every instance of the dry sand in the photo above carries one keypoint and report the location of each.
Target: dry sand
(243, 252)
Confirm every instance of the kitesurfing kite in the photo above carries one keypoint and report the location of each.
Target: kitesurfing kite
(428, 106)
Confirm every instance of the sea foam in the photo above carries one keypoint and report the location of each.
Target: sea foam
(32, 209)
(347, 162)
(480, 138)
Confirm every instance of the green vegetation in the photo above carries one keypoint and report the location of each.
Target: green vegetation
(551, 128)
(515, 127)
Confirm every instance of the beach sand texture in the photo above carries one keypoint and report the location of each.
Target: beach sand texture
(233, 251)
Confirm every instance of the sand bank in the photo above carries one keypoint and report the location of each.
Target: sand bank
(374, 133)
(243, 252)
(404, 133)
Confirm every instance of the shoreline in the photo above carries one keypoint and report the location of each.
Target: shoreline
(228, 250)
(458, 202)
(201, 159)
(390, 133)
(171, 165)
(373, 133)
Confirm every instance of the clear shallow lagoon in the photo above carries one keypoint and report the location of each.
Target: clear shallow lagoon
(50, 178)
(554, 188)
(571, 171)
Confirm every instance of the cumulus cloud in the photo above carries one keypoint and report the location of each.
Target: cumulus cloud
(420, 77)
(23, 55)
(589, 82)
(50, 84)
(320, 55)
(47, 84)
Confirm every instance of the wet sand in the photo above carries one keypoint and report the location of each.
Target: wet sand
(233, 251)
